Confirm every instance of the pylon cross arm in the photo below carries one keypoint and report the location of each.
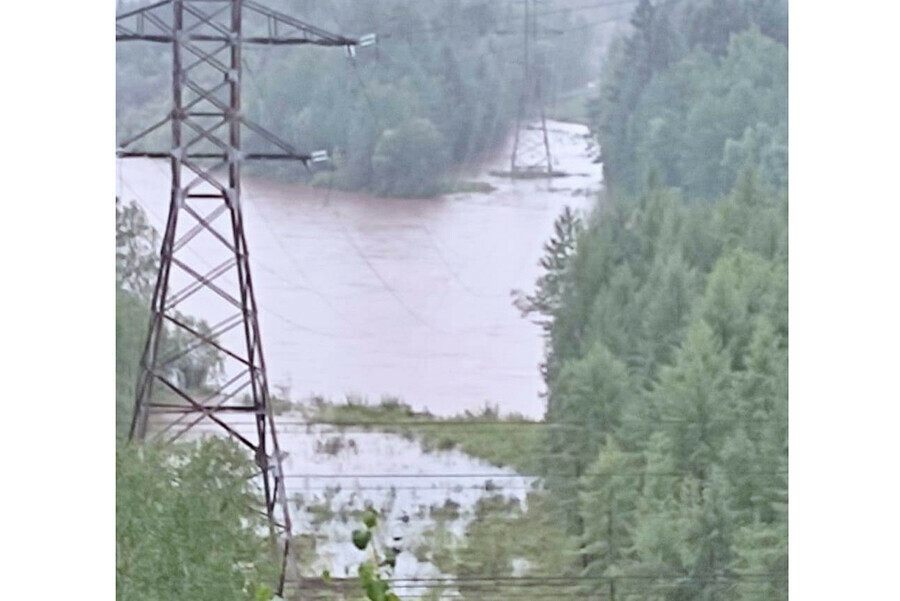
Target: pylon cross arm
(132, 26)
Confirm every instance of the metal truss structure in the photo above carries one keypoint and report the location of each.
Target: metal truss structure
(206, 154)
(530, 93)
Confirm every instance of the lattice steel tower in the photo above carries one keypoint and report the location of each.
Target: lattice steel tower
(206, 153)
(530, 93)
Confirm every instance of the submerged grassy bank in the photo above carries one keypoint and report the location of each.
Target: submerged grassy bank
(510, 441)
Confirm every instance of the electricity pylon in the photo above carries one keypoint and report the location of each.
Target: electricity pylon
(530, 91)
(206, 38)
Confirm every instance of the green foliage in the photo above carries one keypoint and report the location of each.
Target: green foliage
(136, 266)
(374, 573)
(183, 527)
(136, 270)
(506, 538)
(557, 251)
(666, 318)
(408, 161)
(668, 341)
(136, 242)
(592, 392)
(762, 548)
(361, 538)
(131, 331)
(609, 503)
(696, 95)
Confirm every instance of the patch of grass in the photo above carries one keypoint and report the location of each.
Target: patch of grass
(449, 511)
(503, 534)
(467, 187)
(510, 441)
(321, 513)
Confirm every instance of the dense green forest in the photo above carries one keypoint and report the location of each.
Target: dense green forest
(695, 95)
(439, 90)
(666, 313)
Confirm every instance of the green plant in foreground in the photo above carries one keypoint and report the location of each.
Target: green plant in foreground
(374, 573)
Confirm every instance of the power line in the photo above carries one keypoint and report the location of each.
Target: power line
(365, 92)
(565, 580)
(385, 284)
(299, 269)
(265, 308)
(594, 6)
(349, 237)
(586, 26)
(455, 487)
(489, 476)
(510, 21)
(344, 424)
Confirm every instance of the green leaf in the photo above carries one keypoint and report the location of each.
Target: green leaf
(369, 518)
(361, 538)
(366, 573)
(377, 590)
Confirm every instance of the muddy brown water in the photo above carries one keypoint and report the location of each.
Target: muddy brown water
(371, 296)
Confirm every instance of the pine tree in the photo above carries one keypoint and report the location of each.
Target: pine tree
(668, 299)
(742, 287)
(591, 391)
(552, 285)
(661, 524)
(609, 497)
(695, 397)
(708, 552)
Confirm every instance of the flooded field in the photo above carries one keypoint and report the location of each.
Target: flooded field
(333, 475)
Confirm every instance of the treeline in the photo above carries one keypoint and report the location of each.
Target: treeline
(667, 327)
(696, 94)
(440, 89)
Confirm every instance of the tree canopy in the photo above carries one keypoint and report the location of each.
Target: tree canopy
(666, 316)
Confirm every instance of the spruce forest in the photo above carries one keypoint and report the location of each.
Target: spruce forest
(666, 311)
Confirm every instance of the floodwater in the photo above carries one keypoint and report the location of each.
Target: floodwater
(331, 476)
(371, 296)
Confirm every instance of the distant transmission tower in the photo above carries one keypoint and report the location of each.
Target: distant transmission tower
(530, 93)
(206, 154)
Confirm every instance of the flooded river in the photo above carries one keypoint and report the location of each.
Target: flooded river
(371, 296)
